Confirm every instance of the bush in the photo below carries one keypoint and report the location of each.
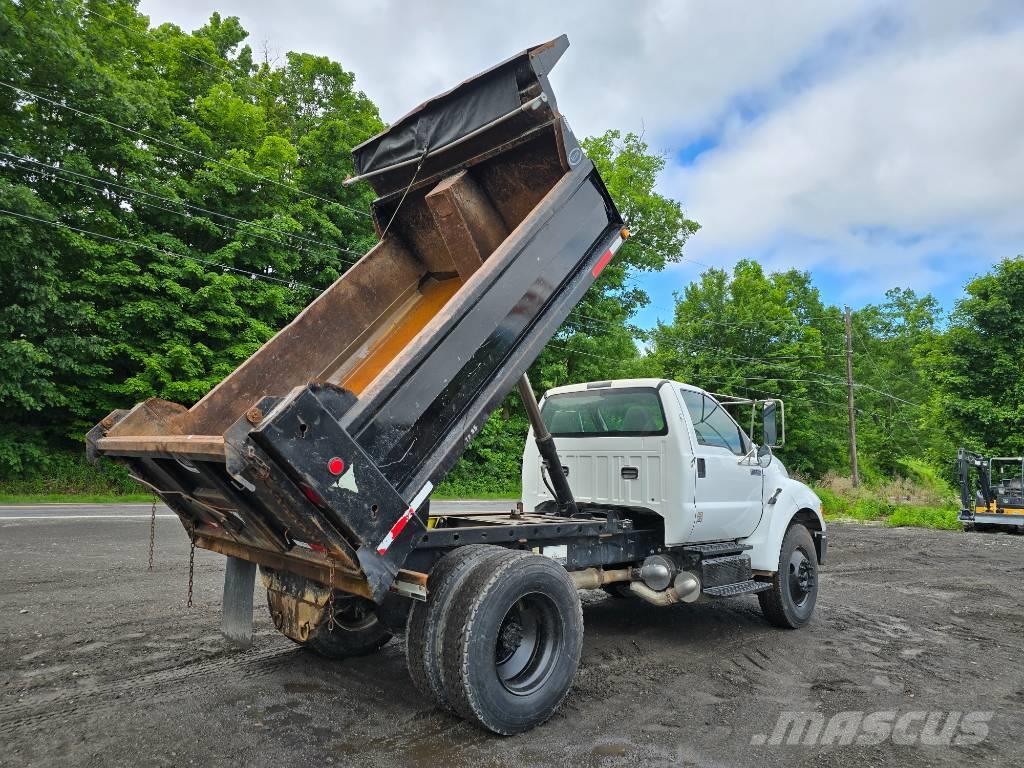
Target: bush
(924, 517)
(833, 505)
(921, 497)
(72, 474)
(870, 508)
(490, 467)
(931, 482)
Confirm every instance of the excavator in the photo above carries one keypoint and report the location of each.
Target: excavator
(996, 500)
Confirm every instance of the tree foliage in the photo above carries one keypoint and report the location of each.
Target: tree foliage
(756, 335)
(978, 365)
(198, 167)
(172, 199)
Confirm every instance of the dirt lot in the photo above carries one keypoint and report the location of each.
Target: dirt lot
(102, 664)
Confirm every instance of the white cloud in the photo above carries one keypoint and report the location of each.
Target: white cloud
(673, 65)
(907, 142)
(880, 173)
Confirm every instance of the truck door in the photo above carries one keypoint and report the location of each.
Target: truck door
(727, 493)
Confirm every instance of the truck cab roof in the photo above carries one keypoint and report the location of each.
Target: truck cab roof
(619, 384)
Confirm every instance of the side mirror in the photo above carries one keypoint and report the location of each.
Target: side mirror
(770, 424)
(764, 456)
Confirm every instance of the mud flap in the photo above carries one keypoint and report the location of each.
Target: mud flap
(236, 621)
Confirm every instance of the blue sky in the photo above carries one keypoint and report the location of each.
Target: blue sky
(875, 144)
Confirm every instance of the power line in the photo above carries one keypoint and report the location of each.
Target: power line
(719, 352)
(820, 379)
(292, 284)
(798, 398)
(707, 346)
(898, 409)
(135, 190)
(180, 148)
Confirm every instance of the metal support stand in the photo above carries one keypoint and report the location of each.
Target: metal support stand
(236, 621)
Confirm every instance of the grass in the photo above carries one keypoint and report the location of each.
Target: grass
(920, 501)
(69, 478)
(442, 495)
(75, 498)
(925, 517)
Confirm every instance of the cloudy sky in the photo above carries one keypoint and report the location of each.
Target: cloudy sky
(875, 144)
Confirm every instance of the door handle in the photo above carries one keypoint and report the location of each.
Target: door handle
(629, 473)
(702, 468)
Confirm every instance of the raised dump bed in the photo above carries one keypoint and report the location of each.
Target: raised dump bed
(318, 454)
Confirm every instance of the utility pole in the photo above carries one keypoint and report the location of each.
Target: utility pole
(849, 399)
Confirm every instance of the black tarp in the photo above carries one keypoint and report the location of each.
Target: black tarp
(469, 106)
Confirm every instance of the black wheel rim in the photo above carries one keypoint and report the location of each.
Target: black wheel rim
(801, 578)
(528, 643)
(352, 613)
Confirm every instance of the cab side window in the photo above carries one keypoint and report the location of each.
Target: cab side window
(712, 425)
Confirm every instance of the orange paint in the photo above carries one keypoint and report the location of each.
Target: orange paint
(388, 345)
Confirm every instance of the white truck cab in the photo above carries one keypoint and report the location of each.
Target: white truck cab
(671, 449)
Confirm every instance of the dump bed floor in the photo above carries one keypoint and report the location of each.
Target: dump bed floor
(402, 328)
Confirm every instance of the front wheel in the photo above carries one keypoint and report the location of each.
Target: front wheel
(790, 602)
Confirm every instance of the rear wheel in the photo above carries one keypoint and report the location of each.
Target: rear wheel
(512, 642)
(426, 619)
(790, 602)
(356, 630)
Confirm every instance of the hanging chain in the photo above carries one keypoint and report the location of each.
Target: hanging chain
(330, 599)
(152, 533)
(191, 561)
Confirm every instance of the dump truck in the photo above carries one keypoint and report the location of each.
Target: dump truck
(991, 492)
(315, 460)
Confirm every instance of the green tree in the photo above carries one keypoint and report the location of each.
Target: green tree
(889, 340)
(978, 365)
(196, 169)
(751, 334)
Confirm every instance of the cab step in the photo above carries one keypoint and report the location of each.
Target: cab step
(716, 549)
(748, 587)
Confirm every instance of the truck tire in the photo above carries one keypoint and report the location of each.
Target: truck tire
(357, 630)
(790, 602)
(512, 642)
(426, 620)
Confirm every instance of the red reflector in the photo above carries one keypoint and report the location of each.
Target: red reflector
(317, 547)
(335, 466)
(602, 263)
(312, 495)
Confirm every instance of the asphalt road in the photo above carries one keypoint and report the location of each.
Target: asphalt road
(101, 663)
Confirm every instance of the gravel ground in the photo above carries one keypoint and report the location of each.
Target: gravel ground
(101, 663)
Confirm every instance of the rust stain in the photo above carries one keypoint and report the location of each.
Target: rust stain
(433, 296)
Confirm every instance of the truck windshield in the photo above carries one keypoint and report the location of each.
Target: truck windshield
(632, 412)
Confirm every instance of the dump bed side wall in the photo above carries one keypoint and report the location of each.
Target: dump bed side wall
(315, 341)
(501, 313)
